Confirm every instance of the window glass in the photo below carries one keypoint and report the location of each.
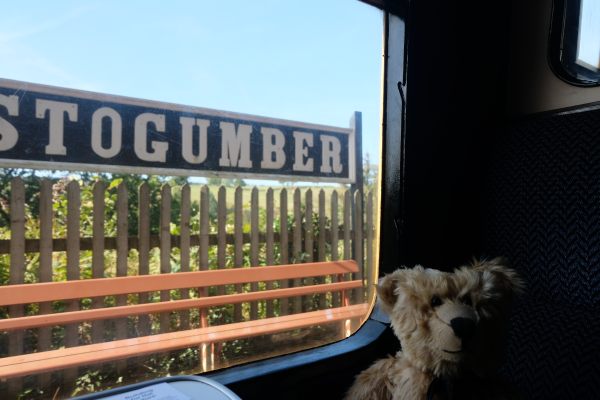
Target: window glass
(575, 41)
(146, 138)
(588, 44)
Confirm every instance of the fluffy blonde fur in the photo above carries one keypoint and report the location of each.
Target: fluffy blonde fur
(427, 308)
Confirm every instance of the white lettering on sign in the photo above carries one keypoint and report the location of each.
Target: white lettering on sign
(47, 128)
(140, 138)
(301, 151)
(273, 154)
(187, 139)
(331, 149)
(235, 146)
(8, 133)
(56, 111)
(116, 132)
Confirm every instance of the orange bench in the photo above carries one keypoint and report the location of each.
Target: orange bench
(45, 361)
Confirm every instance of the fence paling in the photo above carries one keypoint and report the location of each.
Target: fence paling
(184, 249)
(73, 266)
(45, 272)
(165, 249)
(269, 245)
(347, 248)
(144, 326)
(334, 243)
(358, 243)
(370, 229)
(308, 243)
(321, 243)
(254, 228)
(305, 242)
(203, 248)
(122, 252)
(222, 233)
(297, 302)
(17, 265)
(206, 353)
(97, 252)
(221, 261)
(284, 304)
(239, 250)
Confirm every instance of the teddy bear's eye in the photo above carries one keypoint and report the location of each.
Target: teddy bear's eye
(436, 301)
(466, 299)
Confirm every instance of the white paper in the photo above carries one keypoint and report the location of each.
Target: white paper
(160, 391)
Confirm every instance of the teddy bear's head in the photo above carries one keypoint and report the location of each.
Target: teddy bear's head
(446, 321)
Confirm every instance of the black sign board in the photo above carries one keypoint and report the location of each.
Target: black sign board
(54, 128)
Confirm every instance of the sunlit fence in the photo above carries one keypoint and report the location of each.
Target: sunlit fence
(73, 231)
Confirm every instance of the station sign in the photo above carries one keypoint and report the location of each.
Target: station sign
(55, 128)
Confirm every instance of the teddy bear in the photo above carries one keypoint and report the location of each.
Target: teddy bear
(451, 327)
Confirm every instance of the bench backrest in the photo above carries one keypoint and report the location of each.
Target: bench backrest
(88, 288)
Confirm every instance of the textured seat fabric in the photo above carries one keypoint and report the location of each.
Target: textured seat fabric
(541, 210)
(553, 353)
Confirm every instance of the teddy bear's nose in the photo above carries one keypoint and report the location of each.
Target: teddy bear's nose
(464, 328)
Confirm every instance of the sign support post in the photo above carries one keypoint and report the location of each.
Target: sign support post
(357, 186)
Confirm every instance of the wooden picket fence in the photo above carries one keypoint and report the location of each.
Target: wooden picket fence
(338, 227)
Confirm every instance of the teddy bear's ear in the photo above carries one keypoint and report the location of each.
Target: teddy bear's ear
(500, 284)
(496, 273)
(386, 290)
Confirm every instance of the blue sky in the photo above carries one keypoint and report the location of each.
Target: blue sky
(313, 61)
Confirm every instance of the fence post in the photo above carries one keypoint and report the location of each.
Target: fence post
(357, 186)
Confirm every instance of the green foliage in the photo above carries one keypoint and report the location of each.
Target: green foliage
(370, 174)
(32, 188)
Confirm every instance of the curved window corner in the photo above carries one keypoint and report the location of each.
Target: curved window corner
(574, 48)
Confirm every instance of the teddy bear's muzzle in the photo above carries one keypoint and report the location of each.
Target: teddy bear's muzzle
(457, 329)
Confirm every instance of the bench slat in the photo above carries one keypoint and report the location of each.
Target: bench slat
(64, 318)
(52, 291)
(28, 364)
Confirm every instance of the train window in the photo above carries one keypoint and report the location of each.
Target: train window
(575, 41)
(162, 139)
